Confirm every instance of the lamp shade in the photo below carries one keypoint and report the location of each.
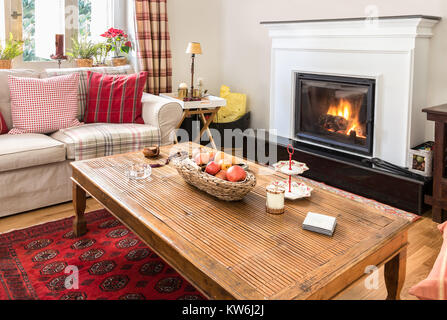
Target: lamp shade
(194, 48)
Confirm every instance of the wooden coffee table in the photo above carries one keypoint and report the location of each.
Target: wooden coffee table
(236, 250)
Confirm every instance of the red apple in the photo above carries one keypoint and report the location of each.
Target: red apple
(212, 168)
(236, 174)
(202, 158)
(222, 174)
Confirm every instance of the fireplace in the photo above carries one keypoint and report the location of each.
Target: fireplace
(336, 112)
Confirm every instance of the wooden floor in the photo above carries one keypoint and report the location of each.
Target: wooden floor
(424, 237)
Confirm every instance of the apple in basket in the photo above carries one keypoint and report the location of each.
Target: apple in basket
(196, 151)
(202, 158)
(225, 164)
(236, 174)
(222, 174)
(212, 168)
(219, 156)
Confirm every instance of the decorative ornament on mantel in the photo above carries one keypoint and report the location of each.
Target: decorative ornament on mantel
(294, 190)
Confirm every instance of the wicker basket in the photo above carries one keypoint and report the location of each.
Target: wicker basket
(221, 189)
(84, 63)
(5, 64)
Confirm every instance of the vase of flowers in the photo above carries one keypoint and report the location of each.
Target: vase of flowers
(12, 49)
(118, 42)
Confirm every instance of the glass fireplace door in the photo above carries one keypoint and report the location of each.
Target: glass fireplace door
(335, 111)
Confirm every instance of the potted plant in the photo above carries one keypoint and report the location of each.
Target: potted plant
(101, 55)
(118, 41)
(83, 52)
(13, 48)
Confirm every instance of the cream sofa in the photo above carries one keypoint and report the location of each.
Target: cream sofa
(35, 168)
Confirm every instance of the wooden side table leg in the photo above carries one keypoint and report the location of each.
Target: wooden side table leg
(206, 124)
(207, 129)
(438, 170)
(185, 114)
(79, 204)
(437, 214)
(395, 270)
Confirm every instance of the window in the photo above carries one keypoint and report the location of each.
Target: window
(43, 19)
(2, 18)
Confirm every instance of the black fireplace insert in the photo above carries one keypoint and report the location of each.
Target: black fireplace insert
(337, 112)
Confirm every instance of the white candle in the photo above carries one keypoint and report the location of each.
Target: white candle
(183, 86)
(275, 199)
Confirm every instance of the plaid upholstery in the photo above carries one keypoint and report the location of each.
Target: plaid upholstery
(104, 139)
(83, 86)
(3, 127)
(154, 51)
(43, 105)
(115, 99)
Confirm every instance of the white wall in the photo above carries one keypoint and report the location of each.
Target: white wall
(199, 21)
(237, 47)
(246, 44)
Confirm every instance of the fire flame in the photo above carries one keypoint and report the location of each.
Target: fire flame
(344, 109)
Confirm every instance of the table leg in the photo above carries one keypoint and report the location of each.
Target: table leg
(437, 214)
(206, 124)
(185, 114)
(439, 170)
(79, 204)
(207, 129)
(395, 270)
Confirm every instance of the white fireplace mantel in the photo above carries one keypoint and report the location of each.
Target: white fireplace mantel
(392, 50)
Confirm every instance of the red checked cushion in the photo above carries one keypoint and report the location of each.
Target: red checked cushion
(3, 127)
(115, 98)
(43, 105)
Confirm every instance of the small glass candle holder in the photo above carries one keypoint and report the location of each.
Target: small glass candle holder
(139, 171)
(275, 199)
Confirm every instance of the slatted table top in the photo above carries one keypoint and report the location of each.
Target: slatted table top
(237, 250)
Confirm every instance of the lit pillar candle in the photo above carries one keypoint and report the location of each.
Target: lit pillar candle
(275, 199)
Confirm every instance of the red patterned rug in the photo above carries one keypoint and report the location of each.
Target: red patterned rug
(112, 263)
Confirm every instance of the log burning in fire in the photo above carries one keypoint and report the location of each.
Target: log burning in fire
(343, 119)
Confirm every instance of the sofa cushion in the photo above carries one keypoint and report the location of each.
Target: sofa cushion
(83, 88)
(43, 105)
(103, 139)
(28, 150)
(3, 127)
(5, 97)
(115, 98)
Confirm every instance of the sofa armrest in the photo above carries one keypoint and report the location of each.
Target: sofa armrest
(163, 114)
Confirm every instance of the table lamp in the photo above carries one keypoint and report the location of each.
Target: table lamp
(193, 49)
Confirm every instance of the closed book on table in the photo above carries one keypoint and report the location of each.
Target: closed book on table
(320, 223)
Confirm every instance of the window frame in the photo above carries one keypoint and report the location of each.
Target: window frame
(15, 27)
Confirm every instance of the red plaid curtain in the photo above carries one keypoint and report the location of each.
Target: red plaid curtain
(154, 48)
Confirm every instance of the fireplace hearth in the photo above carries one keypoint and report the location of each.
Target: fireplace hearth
(336, 112)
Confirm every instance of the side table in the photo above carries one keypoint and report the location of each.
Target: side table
(208, 105)
(439, 199)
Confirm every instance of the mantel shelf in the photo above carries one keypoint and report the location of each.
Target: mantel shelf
(357, 19)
